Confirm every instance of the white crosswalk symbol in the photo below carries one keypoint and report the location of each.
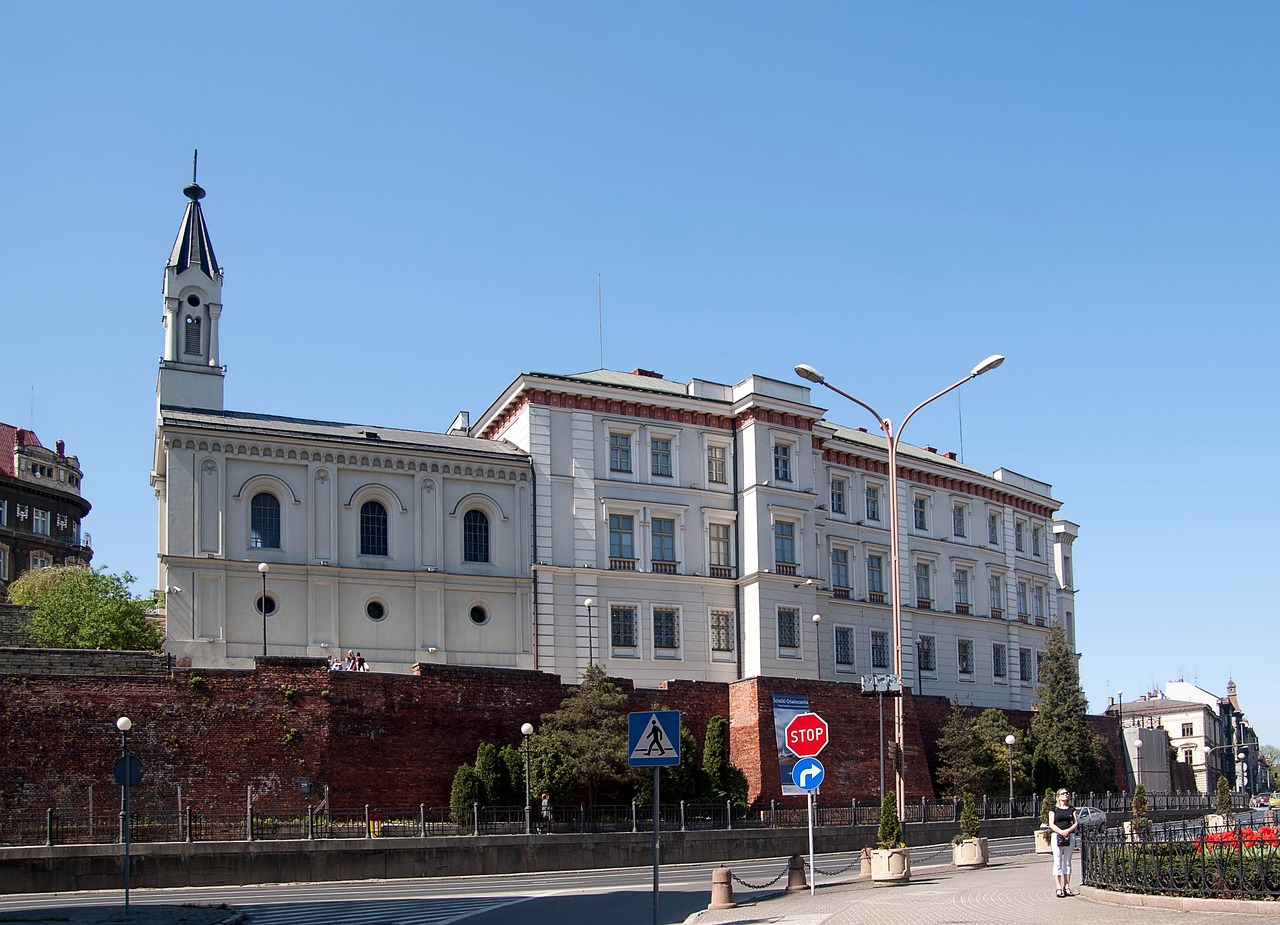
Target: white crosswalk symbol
(654, 743)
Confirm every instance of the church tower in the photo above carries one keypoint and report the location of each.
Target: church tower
(190, 373)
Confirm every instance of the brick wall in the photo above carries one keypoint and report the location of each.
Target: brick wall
(12, 619)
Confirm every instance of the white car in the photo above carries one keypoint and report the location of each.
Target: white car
(1091, 817)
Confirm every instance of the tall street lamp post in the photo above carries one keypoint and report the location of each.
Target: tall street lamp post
(1120, 710)
(263, 568)
(1009, 740)
(817, 638)
(527, 730)
(124, 724)
(1137, 757)
(804, 371)
(591, 635)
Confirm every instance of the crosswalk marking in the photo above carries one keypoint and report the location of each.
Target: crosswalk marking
(425, 911)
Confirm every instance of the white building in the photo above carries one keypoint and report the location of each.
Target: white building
(663, 529)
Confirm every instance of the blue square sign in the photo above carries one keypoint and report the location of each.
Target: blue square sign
(653, 738)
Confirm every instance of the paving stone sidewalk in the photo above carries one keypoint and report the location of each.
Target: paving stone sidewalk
(1015, 890)
(139, 914)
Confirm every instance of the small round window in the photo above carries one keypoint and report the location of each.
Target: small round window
(479, 616)
(266, 605)
(375, 610)
(193, 300)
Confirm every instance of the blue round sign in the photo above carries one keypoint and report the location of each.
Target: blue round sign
(808, 773)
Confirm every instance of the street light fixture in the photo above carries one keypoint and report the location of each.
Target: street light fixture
(817, 638)
(527, 730)
(1137, 752)
(1009, 740)
(892, 436)
(124, 724)
(591, 636)
(1120, 709)
(263, 568)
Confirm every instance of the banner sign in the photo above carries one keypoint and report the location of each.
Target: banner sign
(787, 707)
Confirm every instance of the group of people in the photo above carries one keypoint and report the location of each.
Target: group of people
(354, 662)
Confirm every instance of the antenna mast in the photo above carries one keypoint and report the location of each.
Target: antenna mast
(600, 319)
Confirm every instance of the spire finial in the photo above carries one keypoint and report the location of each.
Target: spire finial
(194, 191)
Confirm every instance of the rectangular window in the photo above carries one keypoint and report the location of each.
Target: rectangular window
(788, 628)
(716, 465)
(666, 628)
(873, 502)
(928, 653)
(40, 521)
(1188, 755)
(959, 516)
(879, 649)
(962, 590)
(621, 536)
(875, 578)
(4, 513)
(1019, 536)
(40, 560)
(844, 646)
(1022, 599)
(1024, 665)
(619, 452)
(920, 507)
(964, 656)
(720, 549)
(784, 542)
(721, 631)
(839, 567)
(995, 590)
(1037, 536)
(924, 586)
(4, 564)
(660, 457)
(993, 529)
(1188, 730)
(837, 495)
(664, 540)
(782, 462)
(998, 668)
(1037, 603)
(622, 626)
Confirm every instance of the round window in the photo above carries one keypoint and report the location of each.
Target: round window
(266, 605)
(479, 616)
(375, 610)
(193, 300)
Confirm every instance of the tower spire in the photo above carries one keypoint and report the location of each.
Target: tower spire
(193, 247)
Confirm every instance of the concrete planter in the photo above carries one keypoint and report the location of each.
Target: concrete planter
(971, 852)
(890, 865)
(1044, 841)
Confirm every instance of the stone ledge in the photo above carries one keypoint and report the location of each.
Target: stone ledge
(1181, 903)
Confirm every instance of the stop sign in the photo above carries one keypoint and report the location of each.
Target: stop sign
(806, 735)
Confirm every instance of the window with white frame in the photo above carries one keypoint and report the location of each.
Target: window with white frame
(873, 502)
(1037, 603)
(4, 563)
(1189, 754)
(782, 461)
(1188, 730)
(844, 648)
(784, 542)
(722, 631)
(374, 534)
(993, 528)
(927, 653)
(622, 626)
(995, 593)
(716, 460)
(875, 578)
(964, 658)
(1020, 536)
(666, 629)
(264, 521)
(40, 521)
(1037, 539)
(40, 559)
(879, 649)
(720, 536)
(1024, 665)
(1039, 659)
(999, 668)
(660, 457)
(4, 513)
(960, 519)
(622, 532)
(840, 568)
(1022, 599)
(662, 531)
(920, 511)
(839, 487)
(960, 580)
(475, 536)
(619, 452)
(924, 585)
(788, 630)
(1066, 573)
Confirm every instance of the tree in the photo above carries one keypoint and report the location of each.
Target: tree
(590, 731)
(964, 762)
(1141, 823)
(1223, 797)
(992, 727)
(726, 781)
(889, 834)
(970, 826)
(1066, 752)
(75, 607)
(467, 790)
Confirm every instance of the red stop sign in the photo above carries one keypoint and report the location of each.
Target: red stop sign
(806, 735)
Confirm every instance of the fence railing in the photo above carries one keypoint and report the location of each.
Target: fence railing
(259, 821)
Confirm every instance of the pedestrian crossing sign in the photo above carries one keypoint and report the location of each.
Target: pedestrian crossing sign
(653, 738)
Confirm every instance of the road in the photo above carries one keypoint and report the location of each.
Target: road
(616, 896)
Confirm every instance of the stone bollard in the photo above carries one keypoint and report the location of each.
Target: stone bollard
(865, 857)
(722, 889)
(795, 876)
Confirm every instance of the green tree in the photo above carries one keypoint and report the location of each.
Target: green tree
(726, 781)
(969, 823)
(549, 771)
(75, 607)
(468, 788)
(590, 731)
(889, 834)
(1065, 747)
(512, 759)
(992, 728)
(964, 761)
(1141, 823)
(493, 774)
(1223, 798)
(685, 781)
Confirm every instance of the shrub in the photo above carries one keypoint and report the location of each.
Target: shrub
(889, 835)
(969, 823)
(1046, 805)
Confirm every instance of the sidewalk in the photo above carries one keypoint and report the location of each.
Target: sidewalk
(1013, 890)
(139, 914)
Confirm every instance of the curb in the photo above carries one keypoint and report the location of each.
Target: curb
(1180, 903)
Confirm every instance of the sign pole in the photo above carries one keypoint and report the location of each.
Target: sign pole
(649, 732)
(813, 871)
(656, 816)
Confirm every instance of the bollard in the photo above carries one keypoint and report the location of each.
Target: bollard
(865, 857)
(795, 876)
(722, 889)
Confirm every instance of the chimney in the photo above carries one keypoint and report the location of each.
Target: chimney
(950, 455)
(930, 449)
(60, 447)
(861, 430)
(646, 372)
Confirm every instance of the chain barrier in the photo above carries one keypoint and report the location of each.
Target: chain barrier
(761, 886)
(832, 873)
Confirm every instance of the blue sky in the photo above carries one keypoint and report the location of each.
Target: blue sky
(412, 202)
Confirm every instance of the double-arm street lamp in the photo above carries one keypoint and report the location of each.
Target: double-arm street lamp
(892, 437)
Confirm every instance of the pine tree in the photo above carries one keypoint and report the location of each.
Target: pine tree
(726, 781)
(1063, 740)
(964, 763)
(590, 731)
(889, 834)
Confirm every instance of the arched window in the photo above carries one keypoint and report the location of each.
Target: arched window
(192, 341)
(373, 529)
(475, 537)
(264, 521)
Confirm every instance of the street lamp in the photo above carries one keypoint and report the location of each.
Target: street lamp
(1120, 710)
(527, 730)
(1009, 740)
(124, 724)
(804, 371)
(817, 638)
(1137, 752)
(263, 568)
(591, 636)
(1243, 784)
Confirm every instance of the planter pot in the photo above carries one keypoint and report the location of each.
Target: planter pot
(890, 865)
(1216, 821)
(972, 852)
(1044, 841)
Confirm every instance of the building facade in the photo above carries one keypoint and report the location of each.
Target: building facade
(41, 508)
(691, 530)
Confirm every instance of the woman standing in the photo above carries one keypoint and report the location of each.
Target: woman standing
(1063, 822)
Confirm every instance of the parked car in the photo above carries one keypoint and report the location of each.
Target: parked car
(1262, 799)
(1274, 800)
(1092, 818)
